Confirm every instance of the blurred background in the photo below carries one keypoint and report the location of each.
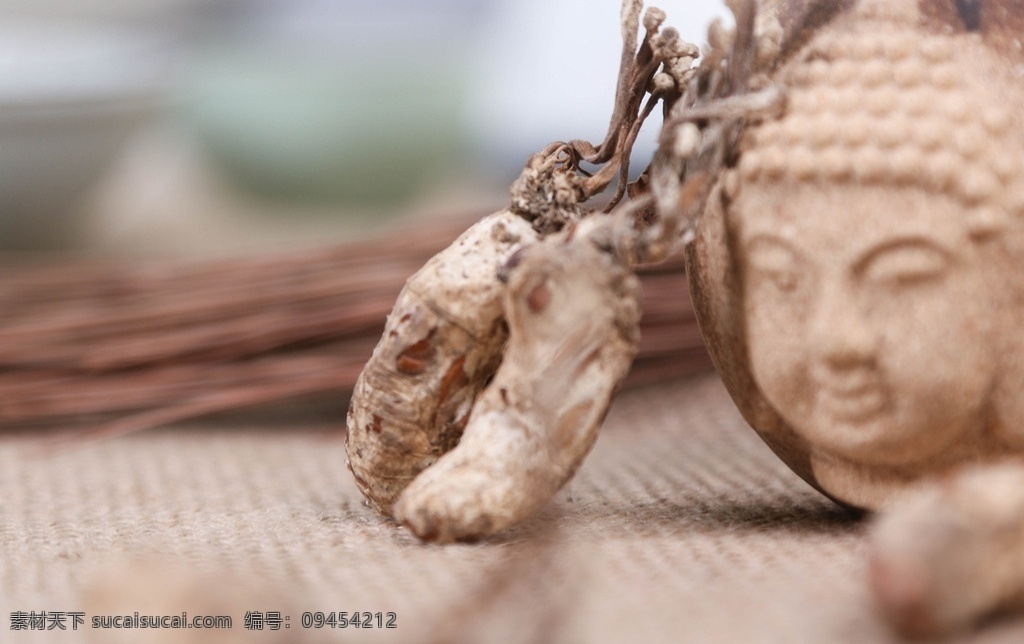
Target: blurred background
(198, 127)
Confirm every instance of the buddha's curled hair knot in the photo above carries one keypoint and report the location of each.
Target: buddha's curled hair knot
(875, 99)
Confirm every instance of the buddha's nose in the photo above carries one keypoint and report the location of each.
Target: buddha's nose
(840, 335)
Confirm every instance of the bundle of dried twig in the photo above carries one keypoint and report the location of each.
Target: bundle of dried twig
(119, 346)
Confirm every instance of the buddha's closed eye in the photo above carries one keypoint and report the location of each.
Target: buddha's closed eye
(774, 261)
(905, 262)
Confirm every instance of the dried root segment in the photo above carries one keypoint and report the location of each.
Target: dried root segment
(442, 342)
(573, 313)
(953, 553)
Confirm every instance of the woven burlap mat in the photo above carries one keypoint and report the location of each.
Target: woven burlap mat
(680, 527)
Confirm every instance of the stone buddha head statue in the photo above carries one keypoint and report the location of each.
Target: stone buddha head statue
(860, 272)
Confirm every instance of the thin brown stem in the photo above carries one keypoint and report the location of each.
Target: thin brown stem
(630, 26)
(627, 150)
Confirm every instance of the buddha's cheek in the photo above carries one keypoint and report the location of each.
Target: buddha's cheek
(776, 339)
(937, 359)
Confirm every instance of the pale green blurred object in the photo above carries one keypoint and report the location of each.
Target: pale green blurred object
(335, 102)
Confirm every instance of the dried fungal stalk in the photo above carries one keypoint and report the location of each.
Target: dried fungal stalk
(573, 314)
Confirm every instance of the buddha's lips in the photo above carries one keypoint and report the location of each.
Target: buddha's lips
(850, 397)
(852, 407)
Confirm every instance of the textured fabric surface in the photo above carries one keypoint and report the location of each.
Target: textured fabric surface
(680, 527)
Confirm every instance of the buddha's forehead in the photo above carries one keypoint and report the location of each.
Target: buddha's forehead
(847, 219)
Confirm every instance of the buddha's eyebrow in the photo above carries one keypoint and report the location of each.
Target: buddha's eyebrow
(770, 239)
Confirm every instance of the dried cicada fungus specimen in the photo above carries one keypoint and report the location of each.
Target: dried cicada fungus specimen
(501, 355)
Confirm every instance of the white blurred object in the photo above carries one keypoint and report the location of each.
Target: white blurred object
(547, 71)
(70, 95)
